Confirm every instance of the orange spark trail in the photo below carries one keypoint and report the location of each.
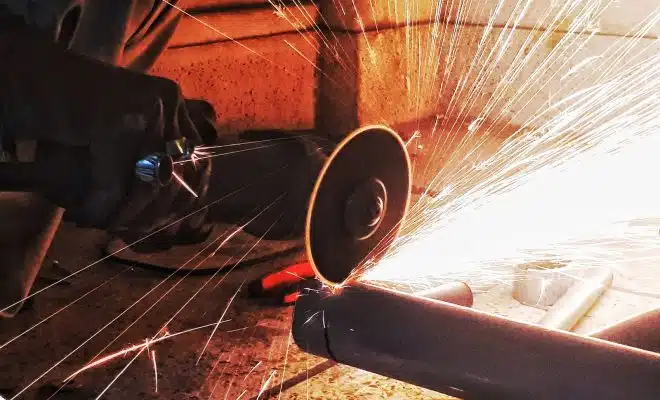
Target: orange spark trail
(137, 348)
(184, 184)
(153, 358)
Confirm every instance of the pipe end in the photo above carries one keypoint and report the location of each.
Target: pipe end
(309, 327)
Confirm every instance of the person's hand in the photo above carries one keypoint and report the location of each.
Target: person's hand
(92, 123)
(181, 204)
(103, 190)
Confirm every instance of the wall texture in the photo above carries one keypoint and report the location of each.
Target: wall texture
(255, 65)
(340, 64)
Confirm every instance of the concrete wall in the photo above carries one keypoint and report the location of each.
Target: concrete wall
(464, 77)
(469, 59)
(255, 65)
(261, 83)
(397, 61)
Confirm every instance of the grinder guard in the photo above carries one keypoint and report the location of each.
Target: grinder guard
(358, 203)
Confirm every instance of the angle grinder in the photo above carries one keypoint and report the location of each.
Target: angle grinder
(358, 204)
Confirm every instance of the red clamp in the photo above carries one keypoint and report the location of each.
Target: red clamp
(283, 284)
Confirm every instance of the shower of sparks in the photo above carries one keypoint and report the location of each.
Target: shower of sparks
(579, 66)
(541, 194)
(569, 189)
(565, 185)
(153, 360)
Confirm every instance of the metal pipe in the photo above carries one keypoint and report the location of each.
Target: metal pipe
(578, 300)
(453, 292)
(465, 352)
(641, 331)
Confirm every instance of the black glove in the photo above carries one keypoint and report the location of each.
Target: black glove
(92, 122)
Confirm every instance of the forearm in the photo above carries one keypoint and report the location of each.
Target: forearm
(50, 93)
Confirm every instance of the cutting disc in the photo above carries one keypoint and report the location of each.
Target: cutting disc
(358, 203)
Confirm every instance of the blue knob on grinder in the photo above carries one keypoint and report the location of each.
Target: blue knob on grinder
(158, 168)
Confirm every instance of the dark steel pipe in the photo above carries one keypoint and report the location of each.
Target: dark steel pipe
(464, 352)
(641, 331)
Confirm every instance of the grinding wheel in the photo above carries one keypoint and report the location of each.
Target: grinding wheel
(358, 203)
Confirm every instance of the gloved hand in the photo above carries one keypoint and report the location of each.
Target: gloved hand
(92, 122)
(181, 208)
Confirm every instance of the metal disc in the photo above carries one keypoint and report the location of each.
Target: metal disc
(358, 203)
